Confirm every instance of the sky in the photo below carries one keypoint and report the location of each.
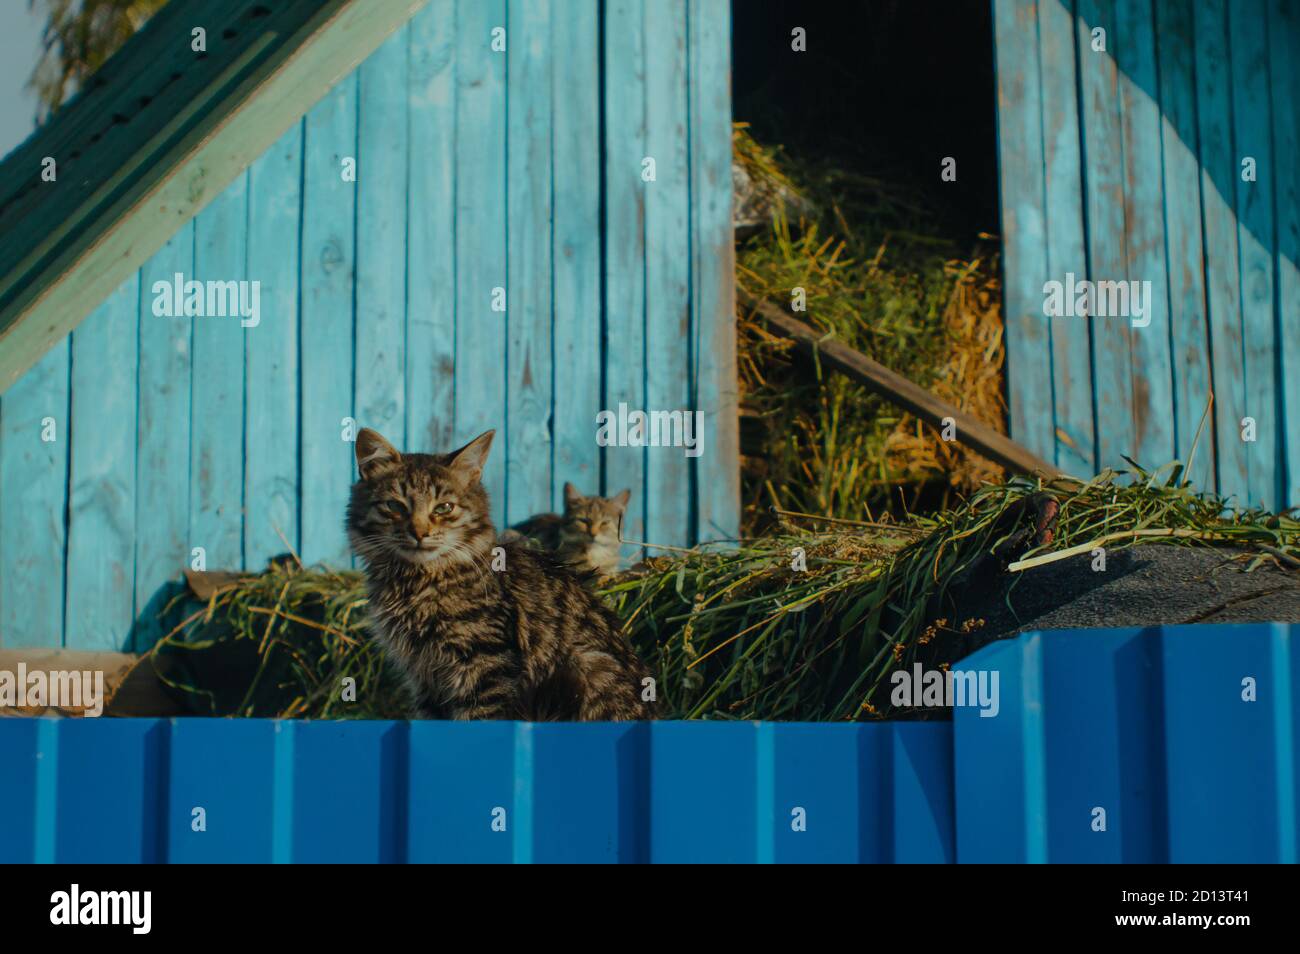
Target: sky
(20, 45)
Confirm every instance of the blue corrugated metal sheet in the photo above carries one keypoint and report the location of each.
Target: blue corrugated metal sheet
(127, 790)
(1155, 143)
(482, 182)
(1153, 727)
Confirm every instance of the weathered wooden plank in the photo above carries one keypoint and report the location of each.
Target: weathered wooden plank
(669, 504)
(1189, 335)
(1107, 255)
(528, 197)
(1252, 132)
(101, 505)
(902, 392)
(1218, 171)
(431, 235)
(1144, 247)
(328, 271)
(1071, 362)
(713, 266)
(575, 259)
(33, 533)
(481, 237)
(196, 140)
(1024, 230)
(162, 512)
(110, 91)
(217, 388)
(271, 353)
(1284, 68)
(381, 232)
(120, 120)
(625, 289)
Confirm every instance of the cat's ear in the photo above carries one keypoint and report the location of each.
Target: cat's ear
(469, 460)
(571, 495)
(622, 498)
(374, 453)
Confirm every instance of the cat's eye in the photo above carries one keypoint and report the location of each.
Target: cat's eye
(444, 508)
(392, 508)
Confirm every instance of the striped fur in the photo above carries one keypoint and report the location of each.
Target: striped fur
(586, 537)
(476, 637)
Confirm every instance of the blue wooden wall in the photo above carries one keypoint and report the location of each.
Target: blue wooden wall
(1127, 164)
(476, 170)
(1154, 727)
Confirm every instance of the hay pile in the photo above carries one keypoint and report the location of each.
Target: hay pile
(752, 632)
(877, 275)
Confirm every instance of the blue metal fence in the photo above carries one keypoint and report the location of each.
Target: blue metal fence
(1184, 738)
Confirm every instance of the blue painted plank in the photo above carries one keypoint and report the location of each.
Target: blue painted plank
(224, 767)
(667, 270)
(529, 373)
(271, 352)
(101, 509)
(33, 473)
(1252, 138)
(1071, 363)
(1144, 247)
(217, 388)
(431, 235)
(703, 782)
(924, 819)
(1189, 334)
(713, 280)
(998, 762)
(349, 791)
(625, 288)
(575, 258)
(1284, 68)
(1024, 229)
(111, 791)
(604, 818)
(481, 273)
(1107, 247)
(162, 516)
(328, 270)
(1102, 691)
(462, 777)
(1223, 750)
(1218, 171)
(381, 241)
(21, 796)
(830, 794)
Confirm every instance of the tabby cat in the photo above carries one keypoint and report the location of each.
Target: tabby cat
(585, 537)
(476, 639)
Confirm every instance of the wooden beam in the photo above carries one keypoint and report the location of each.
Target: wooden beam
(156, 135)
(898, 390)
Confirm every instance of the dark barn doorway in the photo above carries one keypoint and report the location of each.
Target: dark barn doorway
(885, 86)
(888, 87)
(890, 256)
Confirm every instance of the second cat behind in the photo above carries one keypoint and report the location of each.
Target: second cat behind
(586, 537)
